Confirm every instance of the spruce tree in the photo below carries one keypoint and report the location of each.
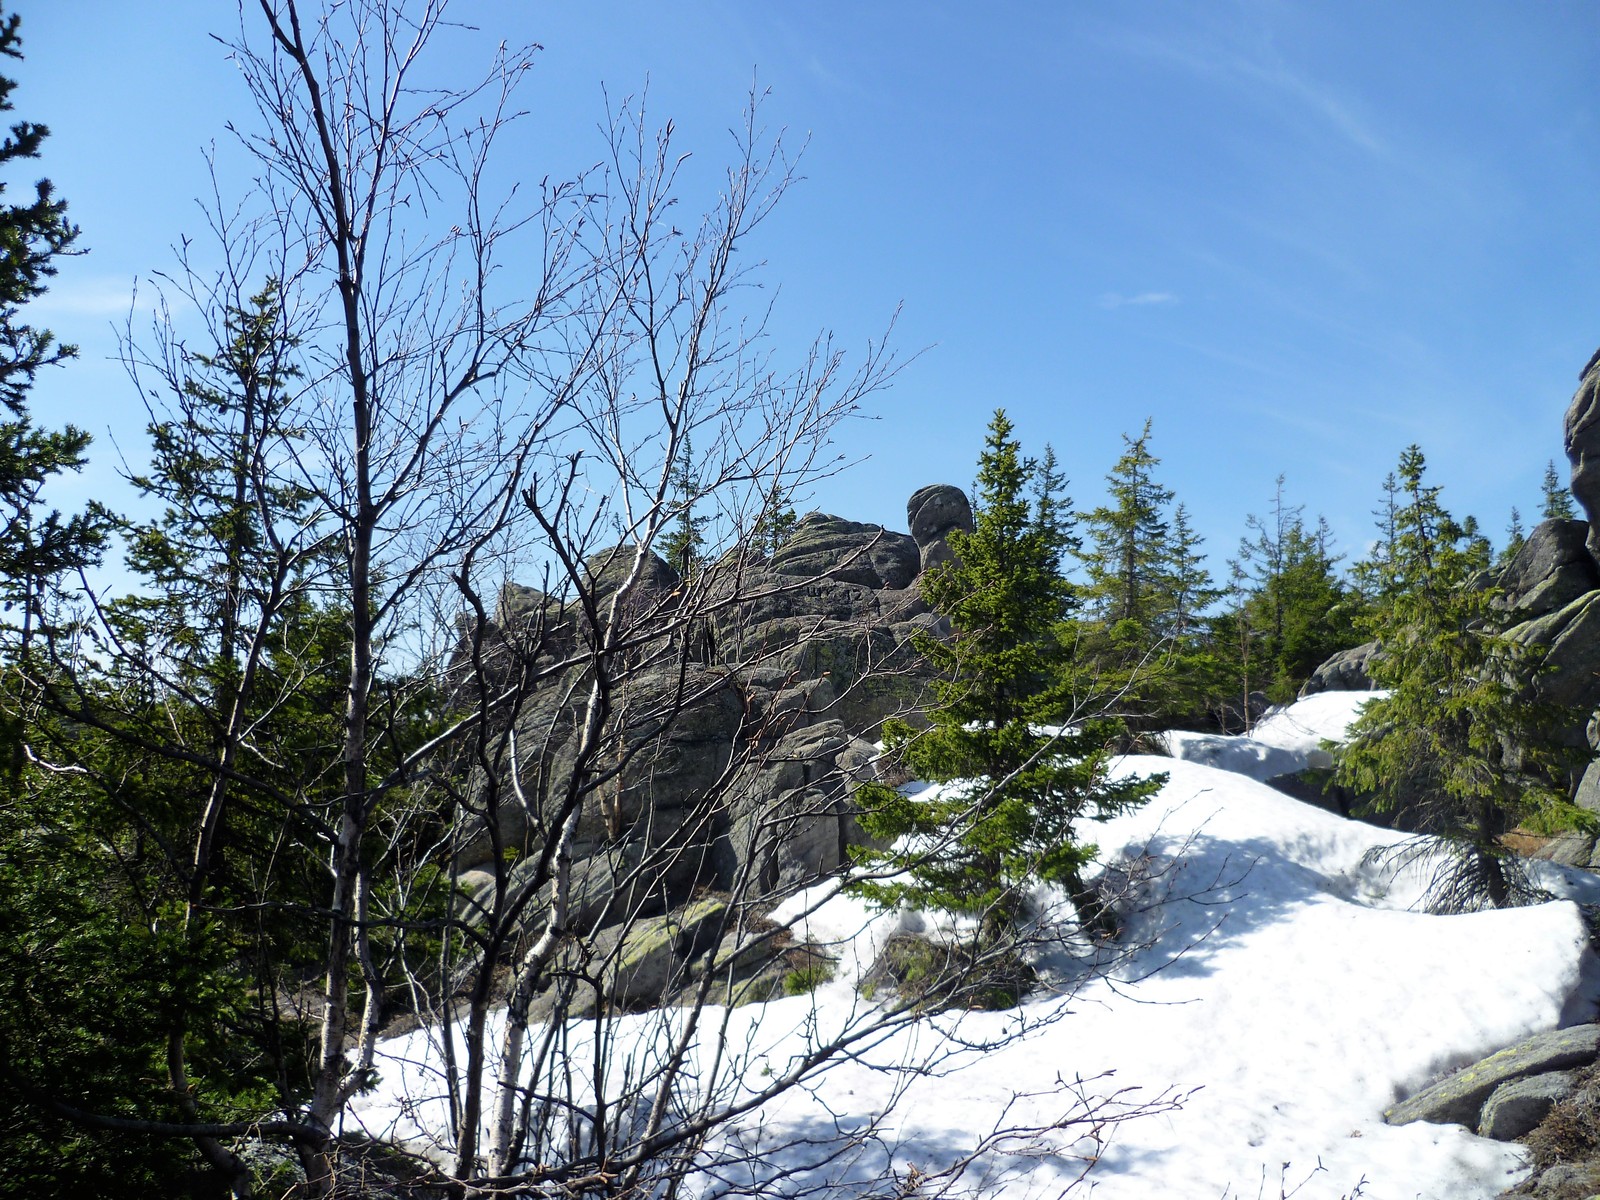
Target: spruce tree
(1515, 536)
(1457, 744)
(683, 546)
(1375, 575)
(774, 523)
(1147, 584)
(1015, 793)
(177, 735)
(1558, 504)
(83, 979)
(1298, 610)
(1128, 540)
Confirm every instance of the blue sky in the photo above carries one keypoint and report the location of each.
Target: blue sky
(1296, 236)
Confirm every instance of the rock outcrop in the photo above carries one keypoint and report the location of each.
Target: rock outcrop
(1345, 671)
(832, 548)
(734, 740)
(1551, 570)
(1515, 1107)
(1582, 438)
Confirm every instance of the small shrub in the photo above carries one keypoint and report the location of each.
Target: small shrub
(803, 980)
(931, 976)
(1571, 1130)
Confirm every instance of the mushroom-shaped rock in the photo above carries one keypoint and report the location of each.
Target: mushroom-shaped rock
(935, 512)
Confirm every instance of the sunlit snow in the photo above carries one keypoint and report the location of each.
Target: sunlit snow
(1286, 994)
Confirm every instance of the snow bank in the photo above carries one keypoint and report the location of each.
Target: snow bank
(1288, 739)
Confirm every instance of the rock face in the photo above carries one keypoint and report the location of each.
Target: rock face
(1552, 569)
(1459, 1098)
(1570, 637)
(833, 548)
(1582, 437)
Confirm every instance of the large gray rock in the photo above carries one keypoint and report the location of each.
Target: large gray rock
(1551, 570)
(1458, 1098)
(636, 965)
(1582, 430)
(1515, 1107)
(1346, 671)
(934, 513)
(1588, 793)
(1565, 1181)
(1570, 674)
(1571, 639)
(650, 957)
(752, 716)
(755, 624)
(608, 569)
(607, 886)
(875, 672)
(869, 555)
(673, 731)
(1572, 849)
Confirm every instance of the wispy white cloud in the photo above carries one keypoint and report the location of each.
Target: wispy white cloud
(1320, 99)
(1249, 63)
(100, 296)
(1118, 300)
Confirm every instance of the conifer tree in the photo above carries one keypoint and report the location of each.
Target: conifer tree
(1476, 541)
(36, 545)
(78, 995)
(1237, 644)
(1374, 575)
(1558, 504)
(1128, 540)
(1515, 536)
(1298, 609)
(1457, 744)
(223, 663)
(1147, 583)
(776, 521)
(683, 545)
(1016, 793)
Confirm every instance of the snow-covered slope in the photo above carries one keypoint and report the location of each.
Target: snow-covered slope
(1287, 992)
